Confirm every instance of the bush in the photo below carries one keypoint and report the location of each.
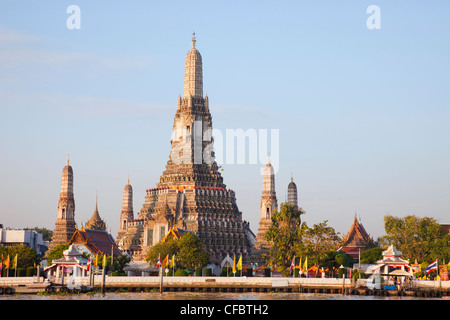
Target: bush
(180, 273)
(267, 272)
(224, 272)
(21, 272)
(208, 272)
(249, 272)
(341, 272)
(198, 272)
(31, 271)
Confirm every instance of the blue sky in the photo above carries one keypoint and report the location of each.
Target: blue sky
(363, 114)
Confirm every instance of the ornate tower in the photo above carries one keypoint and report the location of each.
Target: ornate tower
(292, 194)
(65, 223)
(96, 223)
(191, 194)
(127, 205)
(268, 205)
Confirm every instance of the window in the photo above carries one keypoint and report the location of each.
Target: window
(149, 237)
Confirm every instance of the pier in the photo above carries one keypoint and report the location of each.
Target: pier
(29, 285)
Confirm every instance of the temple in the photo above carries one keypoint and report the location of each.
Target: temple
(267, 206)
(292, 194)
(96, 223)
(94, 242)
(65, 224)
(191, 194)
(356, 239)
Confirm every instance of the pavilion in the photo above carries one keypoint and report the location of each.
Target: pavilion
(72, 264)
(393, 263)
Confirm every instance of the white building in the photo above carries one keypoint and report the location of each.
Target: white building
(29, 238)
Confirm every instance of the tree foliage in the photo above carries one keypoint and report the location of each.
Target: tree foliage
(26, 256)
(417, 238)
(189, 252)
(285, 233)
(318, 241)
(371, 255)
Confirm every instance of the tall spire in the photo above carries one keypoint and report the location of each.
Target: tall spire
(65, 225)
(194, 41)
(292, 194)
(127, 205)
(193, 72)
(269, 197)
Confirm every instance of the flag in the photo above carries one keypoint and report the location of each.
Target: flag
(104, 261)
(15, 261)
(1, 267)
(7, 262)
(158, 263)
(239, 264)
(165, 261)
(305, 265)
(234, 264)
(292, 265)
(172, 262)
(89, 263)
(432, 266)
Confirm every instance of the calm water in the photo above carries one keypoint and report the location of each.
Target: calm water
(206, 296)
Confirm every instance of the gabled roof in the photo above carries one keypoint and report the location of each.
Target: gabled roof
(174, 233)
(357, 235)
(98, 242)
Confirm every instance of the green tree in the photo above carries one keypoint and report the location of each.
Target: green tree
(189, 252)
(56, 253)
(371, 255)
(284, 233)
(121, 261)
(170, 247)
(317, 242)
(417, 238)
(26, 256)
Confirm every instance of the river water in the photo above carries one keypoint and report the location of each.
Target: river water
(207, 296)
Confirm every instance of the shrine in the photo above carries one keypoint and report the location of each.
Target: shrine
(393, 263)
(72, 264)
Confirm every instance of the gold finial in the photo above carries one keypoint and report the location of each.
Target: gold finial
(128, 181)
(68, 159)
(194, 41)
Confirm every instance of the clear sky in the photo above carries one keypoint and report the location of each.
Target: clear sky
(363, 115)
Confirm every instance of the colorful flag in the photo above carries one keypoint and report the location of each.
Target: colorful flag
(165, 261)
(158, 263)
(15, 261)
(104, 261)
(172, 262)
(1, 267)
(234, 264)
(89, 263)
(239, 264)
(305, 265)
(96, 260)
(292, 265)
(432, 266)
(7, 262)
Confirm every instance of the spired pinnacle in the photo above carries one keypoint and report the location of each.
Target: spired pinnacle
(194, 41)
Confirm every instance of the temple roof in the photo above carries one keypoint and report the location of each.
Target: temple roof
(98, 242)
(175, 233)
(357, 235)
